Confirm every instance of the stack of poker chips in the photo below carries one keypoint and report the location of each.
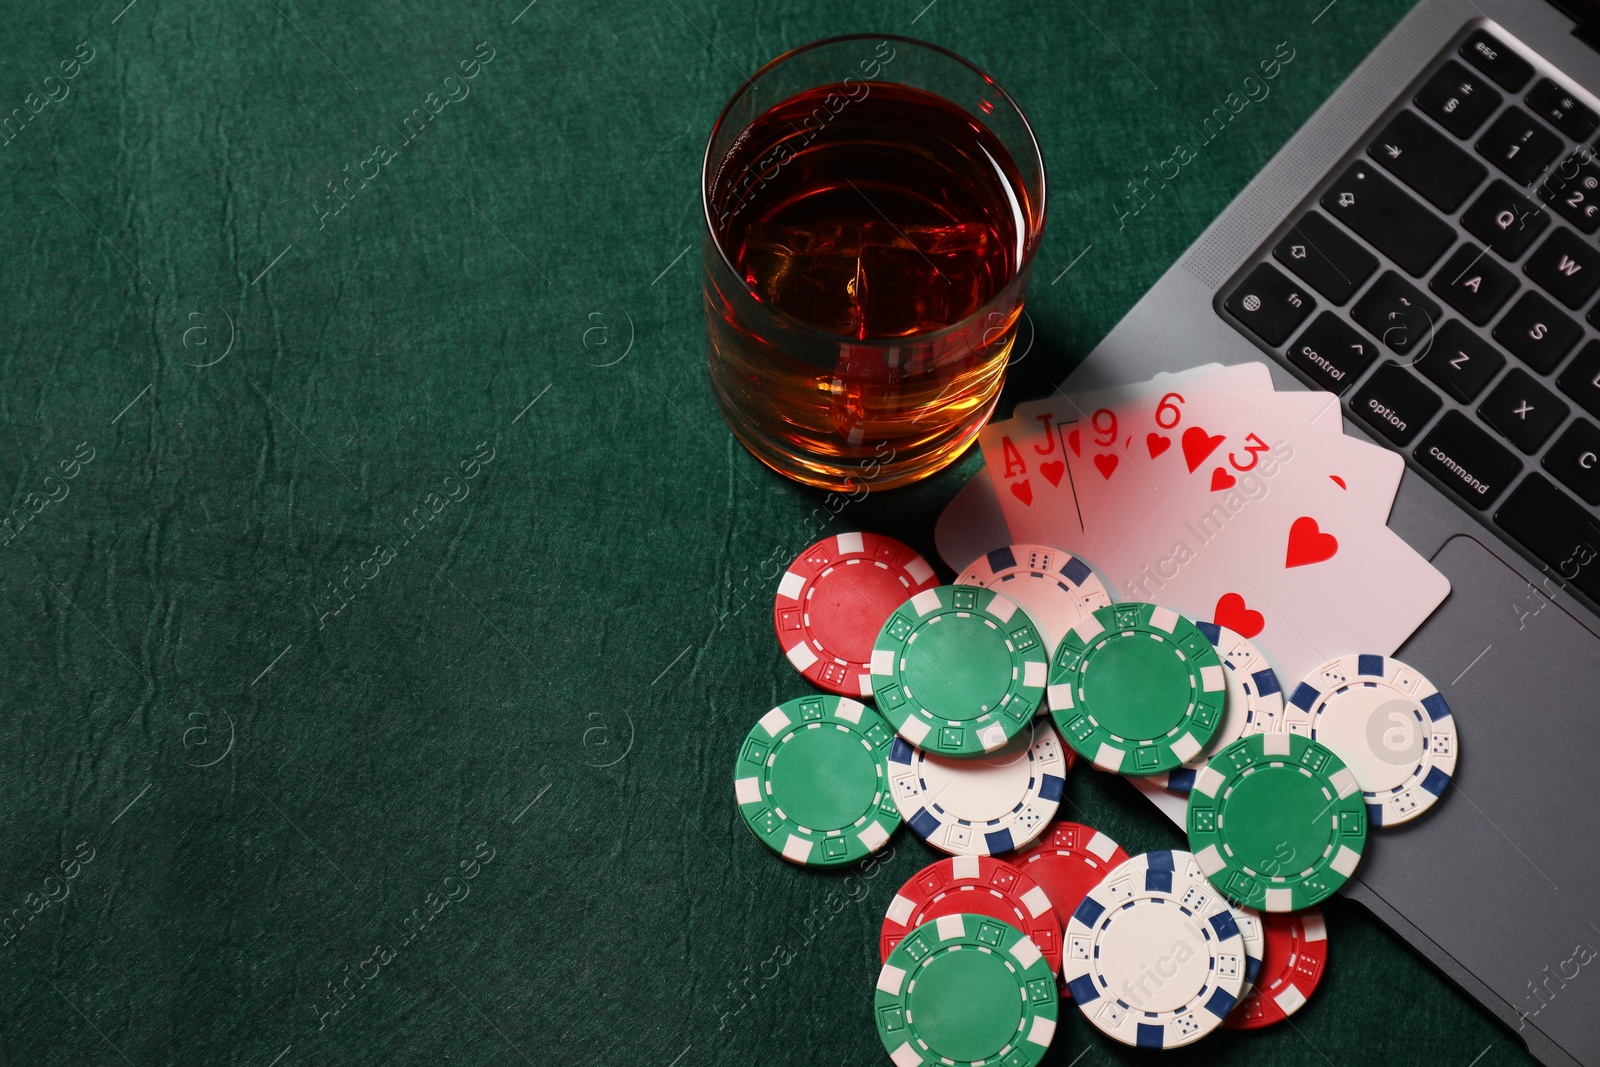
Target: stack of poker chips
(960, 709)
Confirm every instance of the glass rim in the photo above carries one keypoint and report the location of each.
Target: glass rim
(799, 325)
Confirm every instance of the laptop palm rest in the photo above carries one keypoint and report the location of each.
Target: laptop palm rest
(1503, 878)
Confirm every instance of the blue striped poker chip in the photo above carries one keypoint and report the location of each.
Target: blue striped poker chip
(1057, 589)
(1155, 956)
(981, 807)
(1388, 723)
(1254, 931)
(1254, 702)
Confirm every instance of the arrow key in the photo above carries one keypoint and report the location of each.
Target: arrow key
(1427, 160)
(1325, 257)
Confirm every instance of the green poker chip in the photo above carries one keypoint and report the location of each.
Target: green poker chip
(1277, 822)
(1137, 689)
(812, 781)
(966, 990)
(959, 670)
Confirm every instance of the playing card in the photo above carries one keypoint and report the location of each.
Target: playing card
(1104, 455)
(977, 520)
(1023, 458)
(971, 525)
(1285, 559)
(1197, 444)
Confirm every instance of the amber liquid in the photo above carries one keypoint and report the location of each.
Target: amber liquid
(871, 232)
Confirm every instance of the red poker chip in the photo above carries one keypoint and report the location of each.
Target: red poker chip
(835, 598)
(974, 885)
(1068, 861)
(1291, 966)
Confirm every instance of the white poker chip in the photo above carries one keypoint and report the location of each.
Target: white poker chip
(1390, 726)
(1254, 931)
(1057, 589)
(1154, 955)
(982, 807)
(1254, 702)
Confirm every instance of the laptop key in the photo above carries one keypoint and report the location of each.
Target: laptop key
(1471, 464)
(1325, 257)
(1505, 220)
(1555, 528)
(1473, 283)
(1567, 266)
(1557, 107)
(1525, 412)
(1332, 353)
(1427, 160)
(1396, 313)
(1460, 362)
(1575, 459)
(1536, 332)
(1581, 379)
(1519, 145)
(1395, 402)
(1573, 188)
(1485, 51)
(1271, 305)
(1458, 99)
(1390, 220)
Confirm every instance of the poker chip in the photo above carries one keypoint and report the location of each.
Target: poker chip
(812, 781)
(966, 990)
(1069, 860)
(980, 807)
(834, 599)
(1388, 723)
(1136, 689)
(1291, 966)
(974, 885)
(1253, 930)
(1154, 955)
(1276, 821)
(1254, 702)
(1055, 588)
(959, 670)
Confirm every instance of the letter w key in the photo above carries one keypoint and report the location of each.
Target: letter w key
(1566, 267)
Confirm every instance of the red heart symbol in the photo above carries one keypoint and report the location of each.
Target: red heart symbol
(1053, 471)
(1106, 463)
(1232, 613)
(1308, 544)
(1157, 444)
(1221, 479)
(1338, 481)
(1072, 443)
(1023, 492)
(1197, 445)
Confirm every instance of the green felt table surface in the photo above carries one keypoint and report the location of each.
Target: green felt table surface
(475, 806)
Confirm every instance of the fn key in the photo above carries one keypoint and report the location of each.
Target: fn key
(1270, 304)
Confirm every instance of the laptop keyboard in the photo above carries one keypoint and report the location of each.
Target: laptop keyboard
(1437, 281)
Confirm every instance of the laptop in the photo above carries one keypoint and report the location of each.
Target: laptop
(1427, 247)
